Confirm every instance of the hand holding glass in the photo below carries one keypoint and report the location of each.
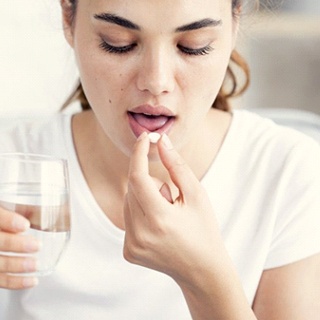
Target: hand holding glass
(37, 187)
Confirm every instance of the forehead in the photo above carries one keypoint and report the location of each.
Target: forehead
(171, 13)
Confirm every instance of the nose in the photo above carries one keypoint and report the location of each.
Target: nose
(156, 73)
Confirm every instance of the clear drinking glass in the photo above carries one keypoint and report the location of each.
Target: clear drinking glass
(37, 187)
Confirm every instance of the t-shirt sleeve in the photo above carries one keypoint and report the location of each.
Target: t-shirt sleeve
(296, 233)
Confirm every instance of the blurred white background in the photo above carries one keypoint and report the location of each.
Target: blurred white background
(37, 69)
(282, 46)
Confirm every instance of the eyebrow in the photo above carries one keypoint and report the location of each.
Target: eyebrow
(199, 24)
(112, 18)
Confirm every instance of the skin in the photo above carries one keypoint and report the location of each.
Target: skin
(140, 177)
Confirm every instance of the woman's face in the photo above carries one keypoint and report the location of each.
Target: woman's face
(150, 65)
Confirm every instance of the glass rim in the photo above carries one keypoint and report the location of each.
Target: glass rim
(31, 157)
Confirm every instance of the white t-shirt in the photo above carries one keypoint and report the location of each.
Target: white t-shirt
(264, 186)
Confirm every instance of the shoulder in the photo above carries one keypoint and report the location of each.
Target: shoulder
(268, 156)
(262, 135)
(281, 167)
(256, 125)
(303, 274)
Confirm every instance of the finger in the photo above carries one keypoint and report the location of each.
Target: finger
(139, 160)
(140, 183)
(17, 282)
(180, 173)
(18, 243)
(13, 222)
(17, 264)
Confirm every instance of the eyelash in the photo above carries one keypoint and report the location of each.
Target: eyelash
(125, 49)
(195, 52)
(119, 50)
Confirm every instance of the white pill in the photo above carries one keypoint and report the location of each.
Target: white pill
(154, 137)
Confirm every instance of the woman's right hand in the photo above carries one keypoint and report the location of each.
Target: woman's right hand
(12, 240)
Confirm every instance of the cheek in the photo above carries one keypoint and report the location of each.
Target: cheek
(208, 72)
(206, 80)
(102, 78)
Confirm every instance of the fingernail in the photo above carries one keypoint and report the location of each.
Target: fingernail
(32, 246)
(30, 282)
(142, 136)
(20, 223)
(166, 141)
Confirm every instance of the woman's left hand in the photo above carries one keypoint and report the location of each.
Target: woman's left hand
(179, 237)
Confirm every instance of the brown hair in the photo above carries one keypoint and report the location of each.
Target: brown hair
(230, 88)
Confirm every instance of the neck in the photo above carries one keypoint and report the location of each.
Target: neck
(105, 167)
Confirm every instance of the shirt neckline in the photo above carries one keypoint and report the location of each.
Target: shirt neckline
(94, 210)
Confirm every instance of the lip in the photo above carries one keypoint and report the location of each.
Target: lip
(155, 111)
(137, 129)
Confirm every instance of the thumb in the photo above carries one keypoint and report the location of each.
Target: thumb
(180, 173)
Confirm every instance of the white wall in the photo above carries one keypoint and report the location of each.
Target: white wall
(302, 6)
(37, 68)
(283, 51)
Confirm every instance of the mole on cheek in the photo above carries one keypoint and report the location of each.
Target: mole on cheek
(110, 101)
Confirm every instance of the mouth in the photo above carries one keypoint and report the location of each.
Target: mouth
(150, 119)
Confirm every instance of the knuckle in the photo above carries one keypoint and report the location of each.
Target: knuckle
(128, 254)
(134, 248)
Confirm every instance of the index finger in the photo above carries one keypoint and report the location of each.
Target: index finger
(139, 162)
(12, 222)
(141, 184)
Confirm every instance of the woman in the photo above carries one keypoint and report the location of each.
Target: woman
(222, 211)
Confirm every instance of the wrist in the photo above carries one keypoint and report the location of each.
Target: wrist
(216, 295)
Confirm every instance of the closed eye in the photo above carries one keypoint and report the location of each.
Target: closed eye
(195, 52)
(115, 49)
(125, 49)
